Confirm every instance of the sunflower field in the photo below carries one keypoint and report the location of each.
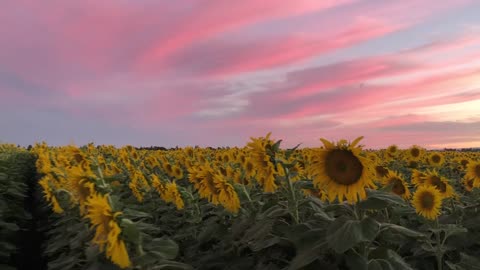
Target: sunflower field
(334, 206)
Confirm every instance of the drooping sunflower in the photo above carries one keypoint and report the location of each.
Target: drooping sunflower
(341, 171)
(473, 172)
(49, 195)
(432, 178)
(427, 201)
(436, 159)
(265, 169)
(107, 230)
(399, 186)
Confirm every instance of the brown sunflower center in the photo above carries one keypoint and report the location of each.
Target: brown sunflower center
(381, 171)
(477, 171)
(415, 152)
(438, 183)
(398, 187)
(464, 162)
(343, 167)
(436, 159)
(427, 200)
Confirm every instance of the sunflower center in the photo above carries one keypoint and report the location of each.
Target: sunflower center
(477, 171)
(381, 171)
(436, 159)
(438, 183)
(415, 152)
(427, 200)
(398, 187)
(464, 162)
(343, 167)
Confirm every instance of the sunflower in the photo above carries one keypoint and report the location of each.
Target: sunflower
(463, 161)
(392, 150)
(381, 171)
(427, 201)
(468, 184)
(341, 171)
(177, 172)
(107, 230)
(436, 159)
(432, 178)
(168, 192)
(265, 169)
(414, 152)
(473, 172)
(49, 194)
(399, 186)
(417, 177)
(213, 186)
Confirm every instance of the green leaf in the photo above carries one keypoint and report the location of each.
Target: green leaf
(395, 260)
(377, 199)
(136, 214)
(130, 231)
(402, 230)
(171, 265)
(379, 264)
(9, 226)
(290, 151)
(355, 262)
(469, 262)
(452, 229)
(163, 248)
(344, 233)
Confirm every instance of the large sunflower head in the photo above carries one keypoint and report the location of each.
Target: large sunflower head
(427, 201)
(341, 171)
(399, 186)
(473, 172)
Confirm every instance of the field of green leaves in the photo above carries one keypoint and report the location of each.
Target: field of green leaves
(335, 206)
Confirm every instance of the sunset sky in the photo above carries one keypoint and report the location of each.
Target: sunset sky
(215, 73)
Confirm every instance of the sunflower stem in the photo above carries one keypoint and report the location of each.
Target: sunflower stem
(439, 247)
(292, 193)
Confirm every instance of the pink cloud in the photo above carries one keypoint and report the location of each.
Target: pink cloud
(294, 49)
(211, 18)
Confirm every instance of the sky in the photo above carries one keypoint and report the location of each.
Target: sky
(215, 73)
